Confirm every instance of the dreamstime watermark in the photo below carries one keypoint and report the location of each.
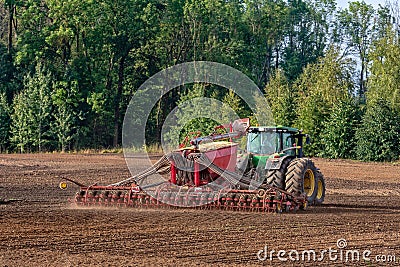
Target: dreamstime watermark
(340, 253)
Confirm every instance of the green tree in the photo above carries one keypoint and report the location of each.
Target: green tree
(319, 87)
(8, 83)
(306, 34)
(356, 29)
(4, 122)
(189, 117)
(281, 99)
(11, 7)
(378, 136)
(32, 29)
(232, 102)
(32, 109)
(131, 26)
(384, 81)
(339, 131)
(214, 28)
(262, 114)
(20, 128)
(263, 36)
(65, 123)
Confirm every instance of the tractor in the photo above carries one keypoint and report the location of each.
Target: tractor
(270, 174)
(277, 155)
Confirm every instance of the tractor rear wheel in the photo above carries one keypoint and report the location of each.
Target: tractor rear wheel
(301, 178)
(276, 178)
(319, 198)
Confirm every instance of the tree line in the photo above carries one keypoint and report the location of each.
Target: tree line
(69, 68)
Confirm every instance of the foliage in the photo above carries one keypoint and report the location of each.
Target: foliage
(262, 114)
(31, 115)
(281, 99)
(64, 125)
(338, 136)
(378, 136)
(96, 54)
(193, 114)
(319, 87)
(384, 81)
(356, 28)
(306, 29)
(4, 122)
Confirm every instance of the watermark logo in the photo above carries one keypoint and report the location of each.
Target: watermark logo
(340, 253)
(341, 243)
(146, 99)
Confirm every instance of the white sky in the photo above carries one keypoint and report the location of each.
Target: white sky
(375, 3)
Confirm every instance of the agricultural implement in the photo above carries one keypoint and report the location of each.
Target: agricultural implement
(271, 175)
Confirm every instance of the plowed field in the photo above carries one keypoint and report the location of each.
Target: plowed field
(362, 206)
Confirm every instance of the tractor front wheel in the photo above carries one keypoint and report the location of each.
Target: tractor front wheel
(302, 178)
(276, 178)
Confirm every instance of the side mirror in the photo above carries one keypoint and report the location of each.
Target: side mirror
(308, 140)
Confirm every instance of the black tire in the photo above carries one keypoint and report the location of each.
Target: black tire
(276, 178)
(301, 178)
(319, 198)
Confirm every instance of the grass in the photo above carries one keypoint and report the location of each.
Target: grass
(153, 149)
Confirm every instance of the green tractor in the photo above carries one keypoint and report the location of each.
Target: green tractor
(276, 155)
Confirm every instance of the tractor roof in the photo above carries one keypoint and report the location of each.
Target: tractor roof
(278, 128)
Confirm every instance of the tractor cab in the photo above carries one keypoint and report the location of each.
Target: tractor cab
(271, 142)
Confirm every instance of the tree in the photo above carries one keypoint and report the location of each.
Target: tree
(4, 122)
(281, 99)
(65, 99)
(8, 83)
(20, 128)
(339, 131)
(378, 136)
(100, 52)
(191, 116)
(32, 29)
(319, 87)
(131, 25)
(384, 81)
(32, 109)
(394, 14)
(232, 102)
(262, 114)
(264, 34)
(356, 28)
(10, 5)
(306, 34)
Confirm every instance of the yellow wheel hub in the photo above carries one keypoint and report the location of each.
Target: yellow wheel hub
(63, 185)
(320, 189)
(309, 183)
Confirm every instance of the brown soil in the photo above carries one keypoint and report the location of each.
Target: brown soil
(40, 228)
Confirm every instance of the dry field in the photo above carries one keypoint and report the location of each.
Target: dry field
(362, 205)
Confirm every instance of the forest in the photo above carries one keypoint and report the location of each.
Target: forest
(68, 69)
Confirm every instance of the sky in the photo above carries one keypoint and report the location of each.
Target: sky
(375, 3)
